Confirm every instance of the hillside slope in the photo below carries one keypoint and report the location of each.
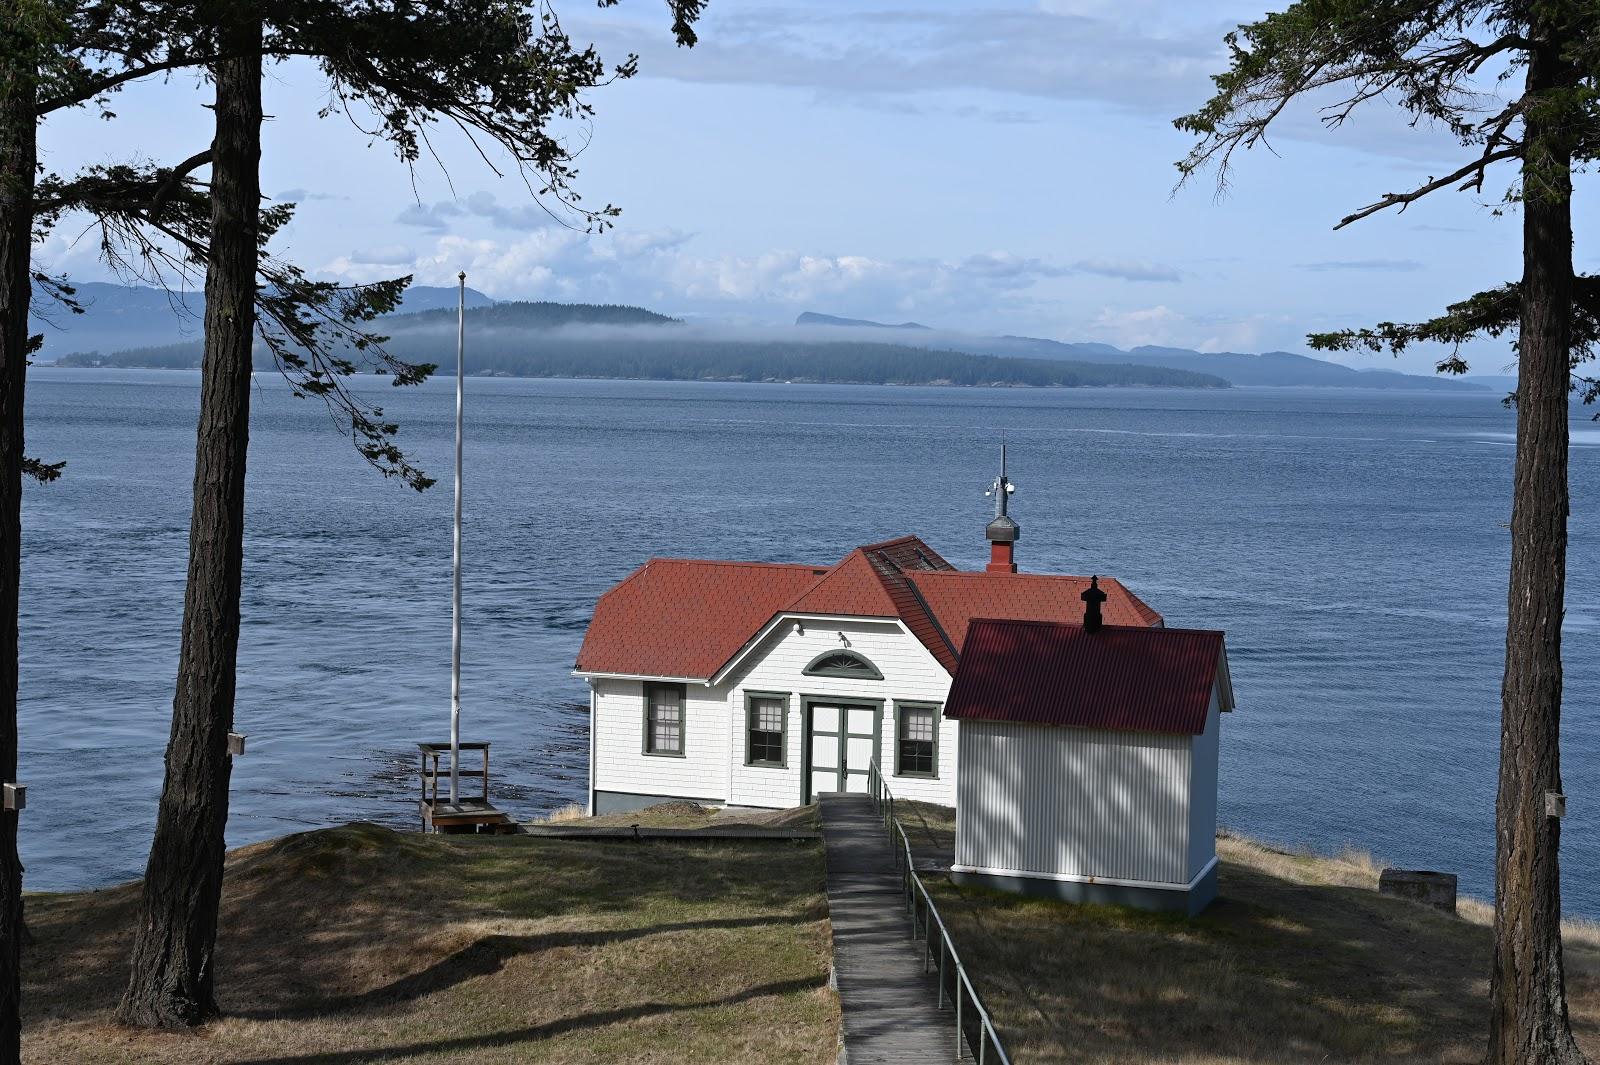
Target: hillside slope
(360, 944)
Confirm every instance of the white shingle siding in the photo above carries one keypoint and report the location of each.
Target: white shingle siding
(910, 673)
(620, 764)
(1052, 801)
(715, 735)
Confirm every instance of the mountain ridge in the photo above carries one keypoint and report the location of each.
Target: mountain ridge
(1278, 369)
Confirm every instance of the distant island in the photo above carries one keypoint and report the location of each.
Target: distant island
(607, 341)
(146, 328)
(1273, 368)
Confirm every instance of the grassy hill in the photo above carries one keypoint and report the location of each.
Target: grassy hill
(1299, 960)
(358, 944)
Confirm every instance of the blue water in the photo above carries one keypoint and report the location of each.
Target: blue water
(1352, 544)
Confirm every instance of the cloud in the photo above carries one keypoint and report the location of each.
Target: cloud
(1390, 265)
(387, 255)
(1162, 326)
(440, 217)
(1151, 57)
(1127, 270)
(661, 269)
(298, 195)
(435, 218)
(866, 53)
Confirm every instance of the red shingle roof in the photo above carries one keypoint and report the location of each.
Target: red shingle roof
(675, 617)
(688, 618)
(1053, 673)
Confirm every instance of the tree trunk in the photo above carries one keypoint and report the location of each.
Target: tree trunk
(1528, 1020)
(18, 152)
(172, 979)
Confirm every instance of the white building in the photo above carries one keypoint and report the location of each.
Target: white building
(1088, 760)
(755, 684)
(1078, 741)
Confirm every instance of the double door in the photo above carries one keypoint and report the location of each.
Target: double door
(841, 742)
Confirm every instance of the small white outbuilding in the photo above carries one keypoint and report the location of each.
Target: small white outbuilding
(1087, 765)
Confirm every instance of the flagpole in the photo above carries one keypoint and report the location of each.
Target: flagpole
(455, 593)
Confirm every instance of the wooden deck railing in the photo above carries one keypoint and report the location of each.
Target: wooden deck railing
(954, 983)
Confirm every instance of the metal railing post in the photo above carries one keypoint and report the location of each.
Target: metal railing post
(959, 1053)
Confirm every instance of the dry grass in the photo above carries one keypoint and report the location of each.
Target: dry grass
(1299, 960)
(693, 815)
(359, 944)
(570, 812)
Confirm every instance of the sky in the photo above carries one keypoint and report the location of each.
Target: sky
(992, 166)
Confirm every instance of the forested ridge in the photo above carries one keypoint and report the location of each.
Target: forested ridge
(529, 340)
(719, 360)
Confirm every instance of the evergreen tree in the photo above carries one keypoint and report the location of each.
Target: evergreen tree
(1432, 58)
(487, 67)
(490, 68)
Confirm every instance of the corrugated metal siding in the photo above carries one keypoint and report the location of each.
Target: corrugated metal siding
(1084, 802)
(1203, 791)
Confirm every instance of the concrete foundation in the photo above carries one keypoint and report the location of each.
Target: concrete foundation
(620, 802)
(1176, 899)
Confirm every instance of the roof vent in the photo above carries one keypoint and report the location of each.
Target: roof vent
(1092, 598)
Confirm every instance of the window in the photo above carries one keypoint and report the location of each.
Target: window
(917, 742)
(663, 719)
(842, 664)
(765, 719)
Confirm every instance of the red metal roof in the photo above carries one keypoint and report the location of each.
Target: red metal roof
(1135, 678)
(688, 618)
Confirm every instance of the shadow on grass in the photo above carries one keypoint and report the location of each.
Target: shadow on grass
(1275, 971)
(489, 955)
(536, 1032)
(322, 909)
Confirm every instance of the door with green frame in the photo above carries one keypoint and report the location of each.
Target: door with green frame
(841, 742)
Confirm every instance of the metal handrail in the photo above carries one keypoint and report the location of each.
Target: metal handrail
(911, 883)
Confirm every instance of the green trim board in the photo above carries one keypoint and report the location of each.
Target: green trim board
(933, 711)
(841, 662)
(782, 761)
(842, 766)
(645, 746)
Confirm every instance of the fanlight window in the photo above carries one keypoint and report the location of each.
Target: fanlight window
(842, 664)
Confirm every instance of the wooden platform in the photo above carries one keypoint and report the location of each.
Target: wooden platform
(469, 813)
(467, 816)
(888, 1001)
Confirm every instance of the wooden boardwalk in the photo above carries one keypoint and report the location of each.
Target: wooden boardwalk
(888, 1001)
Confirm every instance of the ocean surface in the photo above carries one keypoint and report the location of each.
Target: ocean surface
(1353, 545)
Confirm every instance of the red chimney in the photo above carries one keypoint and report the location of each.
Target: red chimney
(1002, 531)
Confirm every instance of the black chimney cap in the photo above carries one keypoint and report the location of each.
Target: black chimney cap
(1092, 597)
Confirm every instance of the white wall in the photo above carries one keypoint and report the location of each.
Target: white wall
(715, 735)
(1071, 801)
(777, 665)
(620, 763)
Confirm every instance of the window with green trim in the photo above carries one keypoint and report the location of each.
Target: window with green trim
(766, 715)
(663, 719)
(842, 664)
(917, 742)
